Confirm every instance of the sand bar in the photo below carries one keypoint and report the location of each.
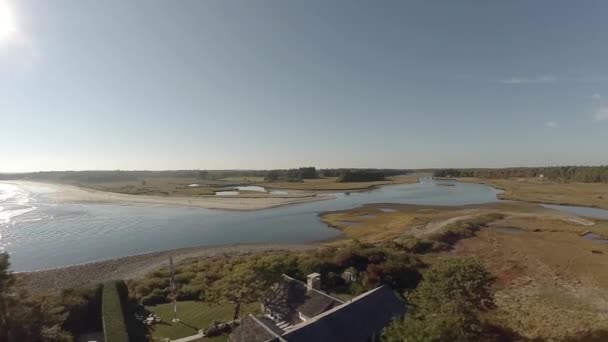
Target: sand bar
(62, 193)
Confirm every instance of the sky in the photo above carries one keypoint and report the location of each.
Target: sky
(260, 84)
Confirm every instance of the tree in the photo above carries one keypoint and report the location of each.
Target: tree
(24, 317)
(244, 283)
(361, 176)
(6, 282)
(203, 174)
(447, 303)
(272, 175)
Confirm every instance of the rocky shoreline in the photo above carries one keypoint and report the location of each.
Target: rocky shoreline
(138, 265)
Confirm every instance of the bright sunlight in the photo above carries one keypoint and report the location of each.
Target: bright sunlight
(7, 22)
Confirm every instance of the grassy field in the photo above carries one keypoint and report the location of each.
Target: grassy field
(194, 316)
(332, 184)
(554, 276)
(243, 179)
(180, 186)
(158, 187)
(543, 266)
(377, 223)
(533, 190)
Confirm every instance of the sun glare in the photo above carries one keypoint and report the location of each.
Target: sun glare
(7, 21)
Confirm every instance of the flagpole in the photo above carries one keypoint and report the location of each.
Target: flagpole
(173, 294)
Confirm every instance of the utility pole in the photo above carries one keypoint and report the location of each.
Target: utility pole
(173, 293)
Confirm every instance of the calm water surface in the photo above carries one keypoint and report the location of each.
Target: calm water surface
(40, 234)
(45, 235)
(582, 211)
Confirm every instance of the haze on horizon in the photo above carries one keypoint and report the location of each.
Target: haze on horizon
(267, 84)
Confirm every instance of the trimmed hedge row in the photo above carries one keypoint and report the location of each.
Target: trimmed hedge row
(114, 325)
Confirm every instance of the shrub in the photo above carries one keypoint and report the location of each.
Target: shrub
(190, 292)
(114, 326)
(447, 303)
(460, 230)
(185, 277)
(356, 289)
(83, 307)
(157, 296)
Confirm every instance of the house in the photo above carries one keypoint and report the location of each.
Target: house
(295, 312)
(350, 275)
(291, 301)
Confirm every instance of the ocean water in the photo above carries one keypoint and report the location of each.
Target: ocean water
(41, 234)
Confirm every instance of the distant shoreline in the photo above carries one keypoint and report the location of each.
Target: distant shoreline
(64, 193)
(590, 195)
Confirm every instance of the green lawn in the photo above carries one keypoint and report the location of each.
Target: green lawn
(193, 316)
(344, 296)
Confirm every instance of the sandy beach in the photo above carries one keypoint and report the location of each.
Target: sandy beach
(73, 194)
(138, 265)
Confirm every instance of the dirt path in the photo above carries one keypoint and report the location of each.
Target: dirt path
(435, 226)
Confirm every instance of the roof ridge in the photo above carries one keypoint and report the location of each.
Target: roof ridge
(267, 328)
(332, 310)
(318, 291)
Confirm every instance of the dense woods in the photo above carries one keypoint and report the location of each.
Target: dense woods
(386, 172)
(361, 176)
(584, 174)
(292, 175)
(343, 175)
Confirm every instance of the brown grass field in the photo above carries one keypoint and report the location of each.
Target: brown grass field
(535, 191)
(551, 283)
(179, 186)
(331, 184)
(158, 187)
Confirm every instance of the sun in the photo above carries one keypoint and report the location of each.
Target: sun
(7, 21)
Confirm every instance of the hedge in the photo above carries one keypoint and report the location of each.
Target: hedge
(114, 324)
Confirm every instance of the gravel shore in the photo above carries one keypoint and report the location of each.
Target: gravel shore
(138, 265)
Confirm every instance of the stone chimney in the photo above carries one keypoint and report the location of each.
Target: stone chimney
(314, 281)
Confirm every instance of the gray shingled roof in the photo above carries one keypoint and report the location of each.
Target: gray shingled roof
(254, 329)
(358, 320)
(354, 321)
(292, 296)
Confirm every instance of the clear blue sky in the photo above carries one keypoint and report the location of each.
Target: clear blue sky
(124, 84)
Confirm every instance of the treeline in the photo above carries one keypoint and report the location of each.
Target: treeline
(291, 175)
(121, 176)
(344, 175)
(106, 176)
(583, 174)
(361, 176)
(386, 172)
